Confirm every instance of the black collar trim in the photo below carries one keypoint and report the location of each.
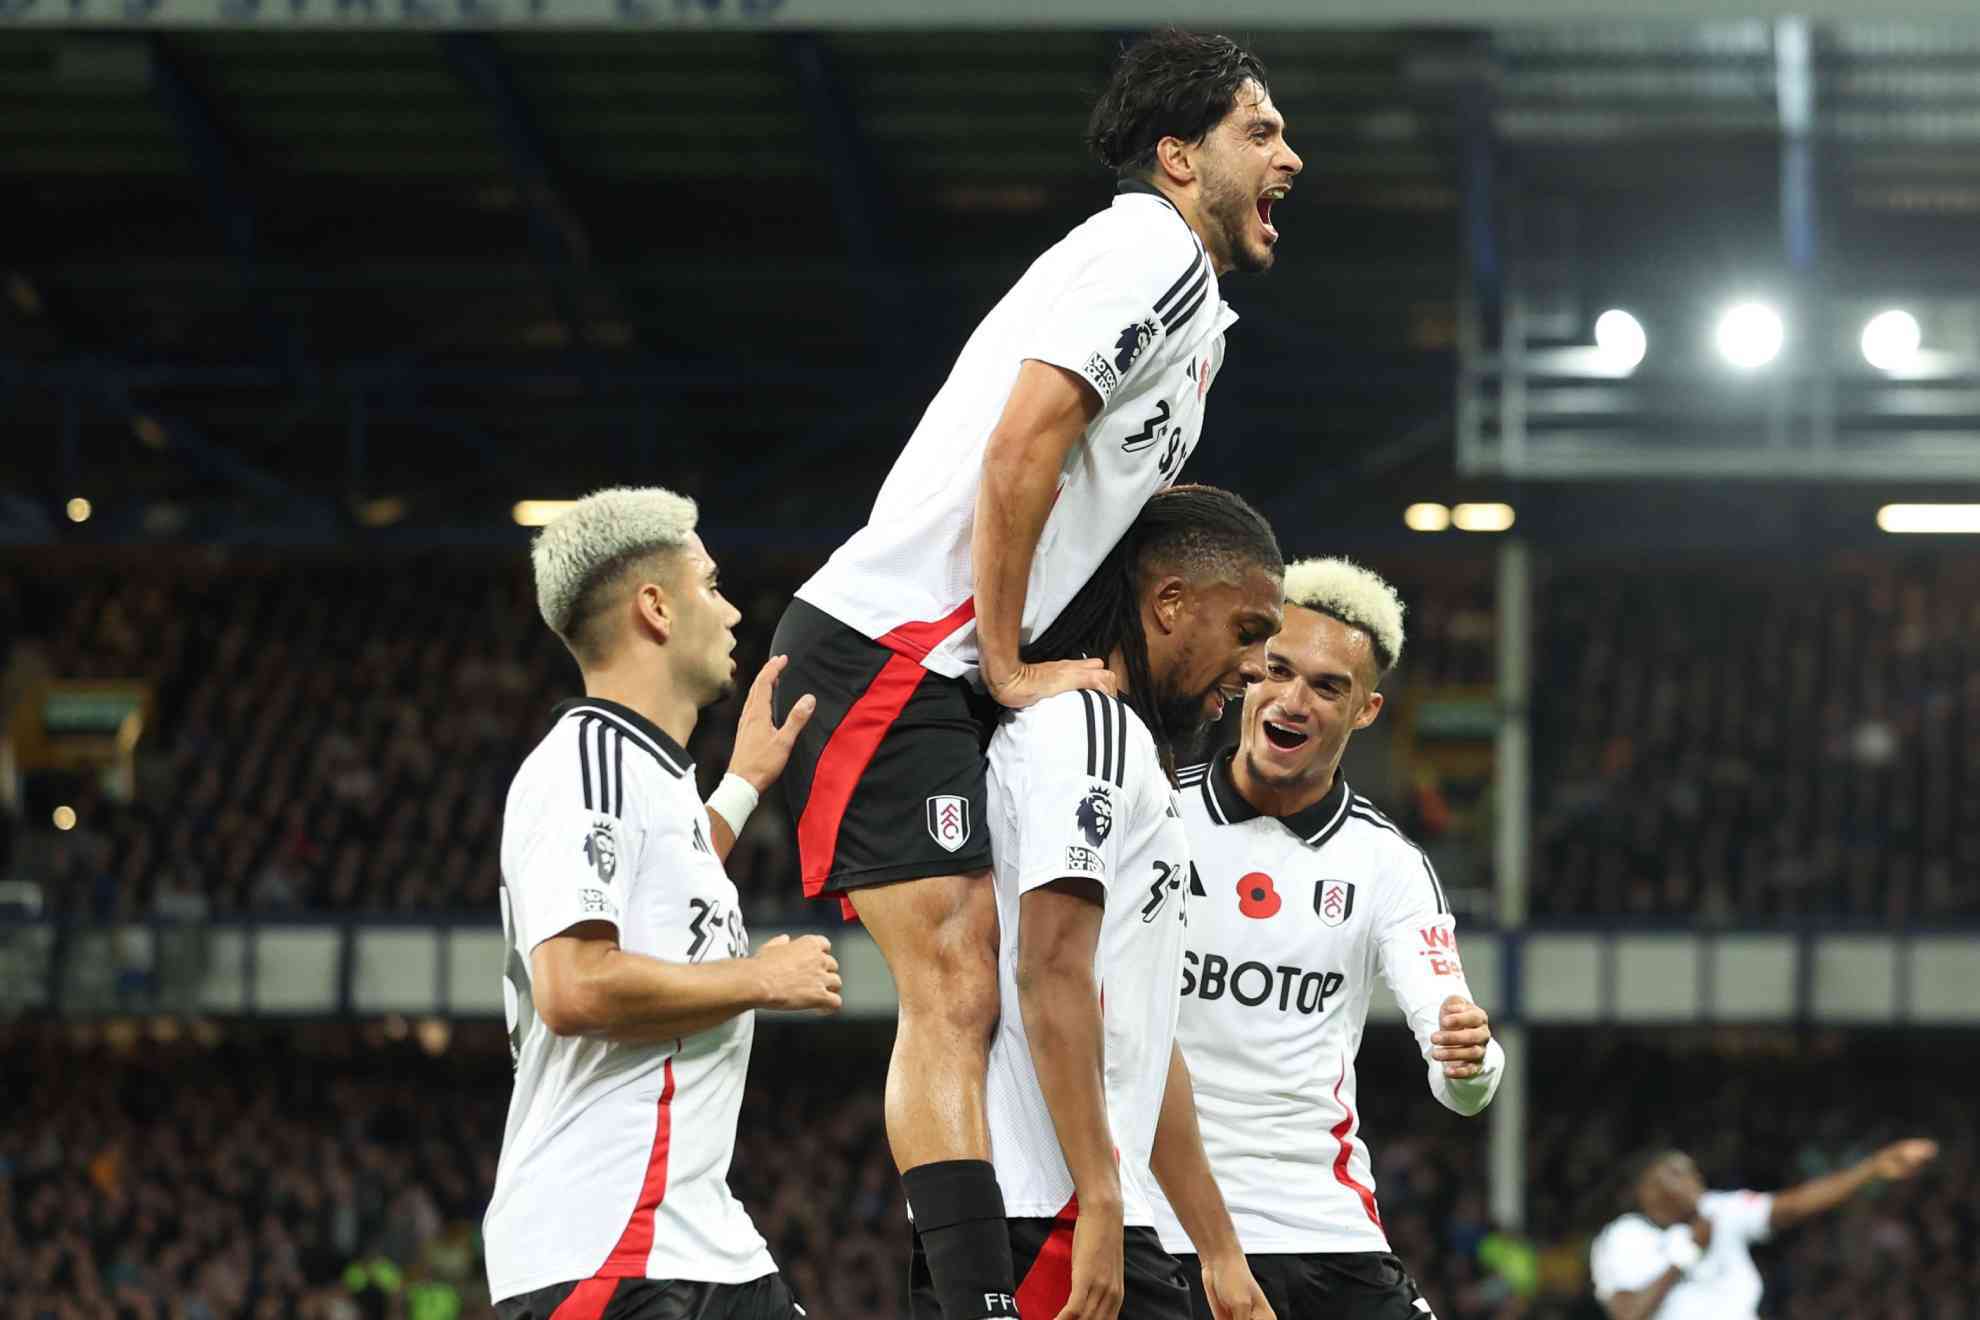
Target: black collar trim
(640, 731)
(1129, 187)
(1314, 825)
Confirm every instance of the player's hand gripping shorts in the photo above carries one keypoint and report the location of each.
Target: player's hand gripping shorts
(887, 780)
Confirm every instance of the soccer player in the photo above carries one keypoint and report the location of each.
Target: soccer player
(1307, 891)
(1682, 1253)
(1086, 1089)
(1077, 397)
(630, 986)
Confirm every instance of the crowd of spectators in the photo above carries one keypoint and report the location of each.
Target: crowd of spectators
(1713, 743)
(336, 733)
(1726, 743)
(333, 1172)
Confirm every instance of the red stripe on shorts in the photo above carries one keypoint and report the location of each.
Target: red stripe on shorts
(847, 754)
(1047, 1285)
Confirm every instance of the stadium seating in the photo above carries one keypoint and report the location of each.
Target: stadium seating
(317, 1171)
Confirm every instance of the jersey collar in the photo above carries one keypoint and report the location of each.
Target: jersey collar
(1314, 825)
(1143, 188)
(627, 715)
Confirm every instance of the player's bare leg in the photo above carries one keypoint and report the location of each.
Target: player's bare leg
(939, 936)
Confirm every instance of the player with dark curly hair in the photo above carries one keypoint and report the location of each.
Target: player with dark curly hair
(1078, 397)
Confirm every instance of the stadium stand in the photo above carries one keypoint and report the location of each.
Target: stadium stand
(339, 1172)
(1721, 742)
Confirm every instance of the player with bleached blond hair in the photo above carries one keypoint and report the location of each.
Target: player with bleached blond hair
(629, 987)
(1304, 893)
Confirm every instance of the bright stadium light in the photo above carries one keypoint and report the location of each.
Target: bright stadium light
(1750, 335)
(1620, 339)
(1930, 519)
(1482, 517)
(535, 513)
(1890, 340)
(1426, 517)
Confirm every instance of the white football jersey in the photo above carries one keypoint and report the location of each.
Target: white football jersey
(1128, 302)
(1628, 1256)
(1077, 790)
(1295, 918)
(615, 1160)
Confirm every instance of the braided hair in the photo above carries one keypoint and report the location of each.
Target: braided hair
(1201, 532)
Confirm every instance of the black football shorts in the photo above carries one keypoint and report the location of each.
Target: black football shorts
(1344, 1285)
(1041, 1249)
(767, 1298)
(887, 780)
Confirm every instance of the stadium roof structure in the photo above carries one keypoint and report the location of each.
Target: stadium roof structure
(323, 285)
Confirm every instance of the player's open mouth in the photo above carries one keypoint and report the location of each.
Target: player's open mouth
(1265, 200)
(1284, 738)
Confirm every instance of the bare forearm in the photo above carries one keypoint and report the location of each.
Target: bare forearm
(1643, 1303)
(720, 836)
(1020, 481)
(1061, 1010)
(1819, 1194)
(628, 996)
(1181, 1166)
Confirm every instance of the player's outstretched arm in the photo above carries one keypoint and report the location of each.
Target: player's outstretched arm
(762, 750)
(1060, 1003)
(1894, 1163)
(1182, 1168)
(1048, 410)
(584, 984)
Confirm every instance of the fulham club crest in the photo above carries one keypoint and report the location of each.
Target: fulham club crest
(1333, 901)
(948, 821)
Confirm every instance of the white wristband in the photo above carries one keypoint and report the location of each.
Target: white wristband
(734, 799)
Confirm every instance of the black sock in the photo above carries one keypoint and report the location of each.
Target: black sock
(959, 1213)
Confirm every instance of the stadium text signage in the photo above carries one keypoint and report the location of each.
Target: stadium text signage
(884, 13)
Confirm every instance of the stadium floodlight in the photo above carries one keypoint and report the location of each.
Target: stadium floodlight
(535, 513)
(1426, 517)
(1890, 340)
(79, 510)
(1482, 517)
(1620, 339)
(1750, 335)
(65, 818)
(1930, 519)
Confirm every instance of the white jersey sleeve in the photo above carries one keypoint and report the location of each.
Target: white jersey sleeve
(573, 864)
(1748, 1216)
(1112, 317)
(1068, 803)
(1627, 1256)
(1416, 947)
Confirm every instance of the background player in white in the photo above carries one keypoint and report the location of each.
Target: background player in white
(1683, 1253)
(1308, 893)
(1085, 1085)
(630, 985)
(1078, 396)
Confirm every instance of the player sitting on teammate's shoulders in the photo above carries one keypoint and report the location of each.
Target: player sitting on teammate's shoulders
(1683, 1253)
(1307, 892)
(1088, 1099)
